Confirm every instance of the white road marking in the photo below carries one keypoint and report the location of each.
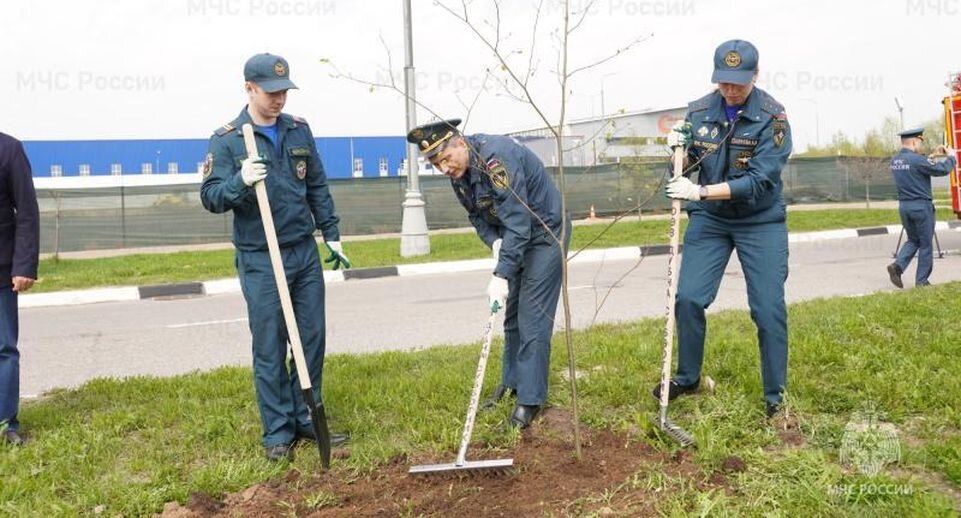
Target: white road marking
(207, 323)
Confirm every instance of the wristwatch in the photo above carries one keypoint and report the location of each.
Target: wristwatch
(702, 192)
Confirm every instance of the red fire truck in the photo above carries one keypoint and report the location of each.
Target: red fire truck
(952, 136)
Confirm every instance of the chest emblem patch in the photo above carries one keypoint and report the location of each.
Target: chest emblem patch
(301, 169)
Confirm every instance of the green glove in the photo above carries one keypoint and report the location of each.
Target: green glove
(337, 255)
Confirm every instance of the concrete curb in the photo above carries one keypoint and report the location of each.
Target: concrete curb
(232, 285)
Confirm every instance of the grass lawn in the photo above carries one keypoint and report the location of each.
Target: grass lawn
(128, 446)
(143, 269)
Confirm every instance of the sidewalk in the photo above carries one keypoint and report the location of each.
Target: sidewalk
(232, 285)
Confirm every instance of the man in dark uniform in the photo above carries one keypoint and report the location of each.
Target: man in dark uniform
(912, 173)
(741, 141)
(516, 210)
(19, 255)
(300, 201)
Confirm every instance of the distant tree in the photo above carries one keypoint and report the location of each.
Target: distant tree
(866, 169)
(881, 141)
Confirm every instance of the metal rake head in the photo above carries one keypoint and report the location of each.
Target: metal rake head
(476, 468)
(674, 431)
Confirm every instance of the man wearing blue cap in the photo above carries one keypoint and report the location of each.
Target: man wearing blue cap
(737, 139)
(301, 203)
(912, 173)
(516, 210)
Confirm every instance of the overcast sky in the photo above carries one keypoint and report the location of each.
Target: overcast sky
(98, 69)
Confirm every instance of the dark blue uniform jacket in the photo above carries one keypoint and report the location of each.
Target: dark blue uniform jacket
(19, 215)
(748, 154)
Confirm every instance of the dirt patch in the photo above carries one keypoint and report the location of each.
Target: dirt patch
(547, 479)
(788, 428)
(734, 464)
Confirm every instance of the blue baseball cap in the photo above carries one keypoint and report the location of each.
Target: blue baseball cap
(735, 62)
(269, 72)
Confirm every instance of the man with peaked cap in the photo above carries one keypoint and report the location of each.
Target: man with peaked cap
(912, 173)
(516, 210)
(301, 203)
(737, 139)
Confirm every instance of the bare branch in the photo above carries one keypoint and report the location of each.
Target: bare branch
(616, 53)
(530, 56)
(583, 15)
(470, 109)
(599, 306)
(500, 57)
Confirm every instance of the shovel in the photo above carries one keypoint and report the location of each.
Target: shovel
(317, 415)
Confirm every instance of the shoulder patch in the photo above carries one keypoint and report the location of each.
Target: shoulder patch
(497, 173)
(225, 129)
(208, 166)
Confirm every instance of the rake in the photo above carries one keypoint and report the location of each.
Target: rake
(663, 423)
(461, 465)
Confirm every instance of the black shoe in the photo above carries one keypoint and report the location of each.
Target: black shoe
(499, 392)
(523, 415)
(306, 433)
(279, 452)
(772, 409)
(675, 390)
(894, 273)
(12, 438)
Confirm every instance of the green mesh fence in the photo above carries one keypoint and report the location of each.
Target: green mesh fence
(122, 217)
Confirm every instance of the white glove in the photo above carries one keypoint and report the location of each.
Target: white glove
(337, 255)
(680, 135)
(682, 188)
(496, 248)
(497, 293)
(253, 170)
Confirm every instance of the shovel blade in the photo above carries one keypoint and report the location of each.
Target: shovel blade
(318, 418)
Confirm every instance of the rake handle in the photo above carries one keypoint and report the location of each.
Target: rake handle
(476, 392)
(675, 238)
(317, 414)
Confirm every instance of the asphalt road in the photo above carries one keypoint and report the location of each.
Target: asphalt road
(66, 346)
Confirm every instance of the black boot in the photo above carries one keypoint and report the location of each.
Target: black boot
(499, 392)
(306, 433)
(894, 273)
(279, 452)
(523, 415)
(772, 409)
(675, 390)
(13, 438)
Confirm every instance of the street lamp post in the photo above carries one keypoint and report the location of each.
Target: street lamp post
(413, 231)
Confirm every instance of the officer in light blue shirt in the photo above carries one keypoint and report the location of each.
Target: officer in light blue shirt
(300, 201)
(737, 140)
(516, 210)
(912, 173)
